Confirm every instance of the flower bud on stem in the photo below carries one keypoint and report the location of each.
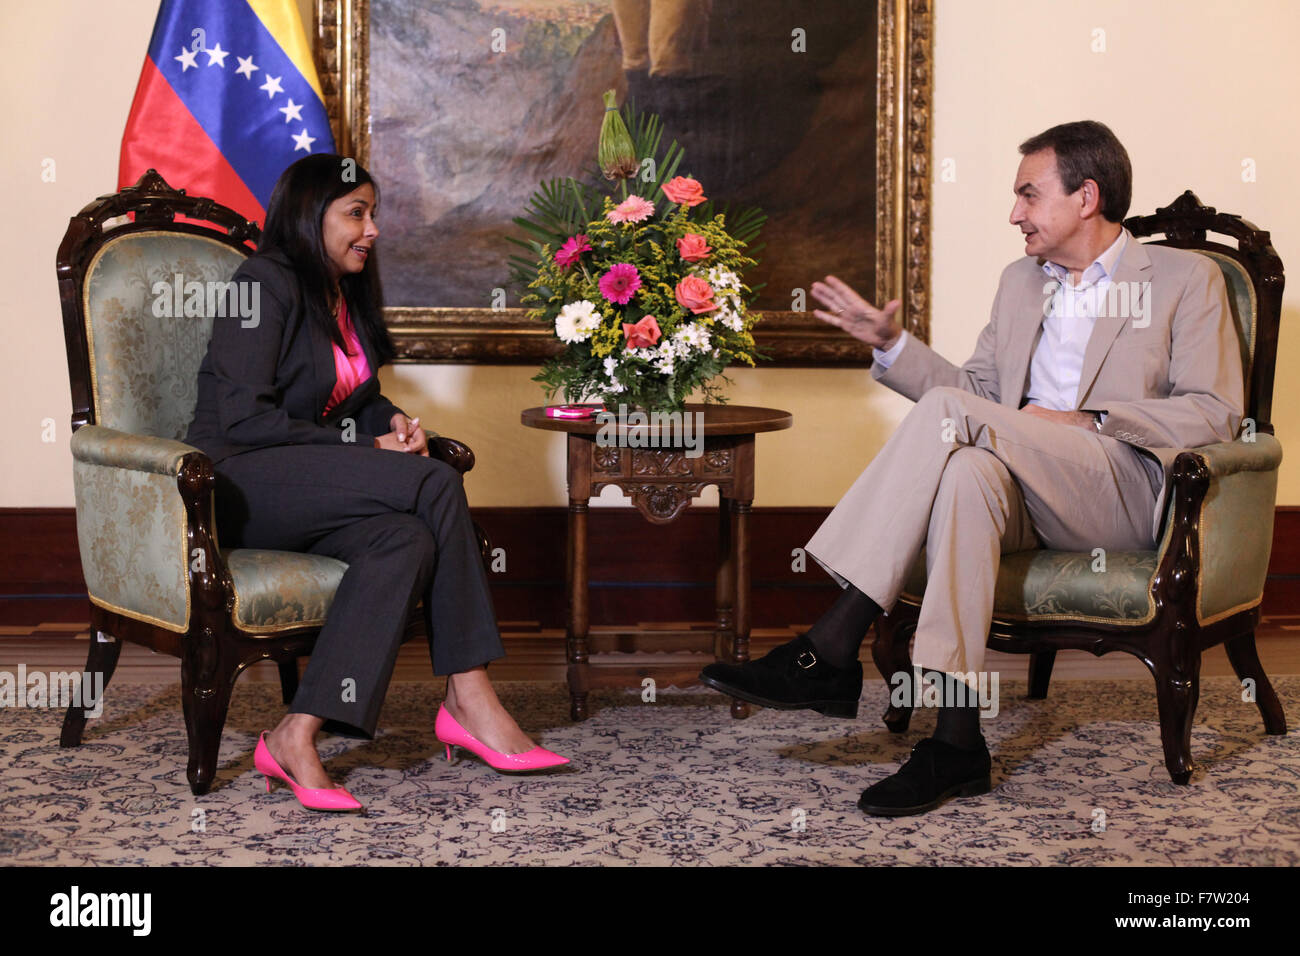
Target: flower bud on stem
(615, 151)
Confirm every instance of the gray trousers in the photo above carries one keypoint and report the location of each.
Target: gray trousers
(401, 522)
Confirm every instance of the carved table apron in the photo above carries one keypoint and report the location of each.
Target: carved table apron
(661, 479)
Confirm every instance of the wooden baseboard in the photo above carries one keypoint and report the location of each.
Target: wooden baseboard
(640, 573)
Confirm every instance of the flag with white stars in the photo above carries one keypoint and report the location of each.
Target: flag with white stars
(227, 99)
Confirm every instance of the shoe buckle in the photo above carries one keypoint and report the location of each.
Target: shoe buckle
(806, 660)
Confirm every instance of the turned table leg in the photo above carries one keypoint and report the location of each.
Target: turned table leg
(725, 587)
(575, 649)
(740, 558)
(724, 644)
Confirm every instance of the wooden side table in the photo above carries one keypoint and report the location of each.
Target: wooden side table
(651, 465)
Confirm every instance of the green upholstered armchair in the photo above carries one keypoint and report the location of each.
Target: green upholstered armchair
(149, 547)
(1203, 584)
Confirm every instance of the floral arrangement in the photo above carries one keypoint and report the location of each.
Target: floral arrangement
(645, 288)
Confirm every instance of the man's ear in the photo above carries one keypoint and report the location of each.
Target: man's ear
(1091, 196)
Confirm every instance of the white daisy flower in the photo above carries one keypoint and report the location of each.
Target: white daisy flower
(733, 321)
(611, 365)
(691, 336)
(577, 321)
(723, 279)
(664, 361)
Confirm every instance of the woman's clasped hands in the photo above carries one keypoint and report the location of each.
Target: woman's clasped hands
(407, 435)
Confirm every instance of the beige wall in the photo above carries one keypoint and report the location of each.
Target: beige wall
(1005, 69)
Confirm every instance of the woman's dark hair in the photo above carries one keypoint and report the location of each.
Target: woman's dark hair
(294, 227)
(1089, 150)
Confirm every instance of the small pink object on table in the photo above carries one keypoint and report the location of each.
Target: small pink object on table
(573, 411)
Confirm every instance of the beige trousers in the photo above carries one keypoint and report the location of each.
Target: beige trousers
(661, 36)
(971, 480)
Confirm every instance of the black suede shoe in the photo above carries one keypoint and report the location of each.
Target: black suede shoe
(936, 771)
(791, 677)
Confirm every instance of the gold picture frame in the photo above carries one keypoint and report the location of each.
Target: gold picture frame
(792, 339)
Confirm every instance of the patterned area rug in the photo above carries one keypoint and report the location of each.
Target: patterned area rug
(1078, 780)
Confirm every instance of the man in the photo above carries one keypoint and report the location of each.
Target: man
(1102, 359)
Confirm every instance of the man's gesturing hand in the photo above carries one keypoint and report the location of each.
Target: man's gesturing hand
(855, 315)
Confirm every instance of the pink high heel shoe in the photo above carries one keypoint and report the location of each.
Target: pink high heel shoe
(336, 799)
(449, 731)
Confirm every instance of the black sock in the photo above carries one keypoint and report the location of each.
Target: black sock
(838, 634)
(957, 725)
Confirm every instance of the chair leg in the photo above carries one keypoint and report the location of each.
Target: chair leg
(100, 659)
(288, 680)
(1245, 662)
(1040, 673)
(892, 655)
(1177, 694)
(207, 679)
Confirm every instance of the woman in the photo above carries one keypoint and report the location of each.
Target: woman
(310, 457)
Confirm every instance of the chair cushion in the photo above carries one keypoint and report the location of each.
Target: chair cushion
(144, 368)
(1062, 586)
(278, 590)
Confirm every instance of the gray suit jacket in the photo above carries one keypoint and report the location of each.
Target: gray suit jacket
(1168, 381)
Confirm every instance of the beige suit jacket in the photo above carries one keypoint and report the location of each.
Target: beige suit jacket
(1166, 370)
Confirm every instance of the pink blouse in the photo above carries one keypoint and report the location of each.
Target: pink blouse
(350, 370)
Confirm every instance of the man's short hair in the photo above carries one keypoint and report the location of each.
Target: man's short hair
(1089, 150)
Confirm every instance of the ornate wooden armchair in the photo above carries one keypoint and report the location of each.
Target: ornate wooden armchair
(145, 522)
(1203, 584)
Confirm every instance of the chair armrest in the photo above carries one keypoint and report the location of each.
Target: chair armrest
(1230, 457)
(1223, 500)
(98, 445)
(141, 508)
(457, 454)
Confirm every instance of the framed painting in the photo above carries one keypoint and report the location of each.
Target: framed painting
(818, 113)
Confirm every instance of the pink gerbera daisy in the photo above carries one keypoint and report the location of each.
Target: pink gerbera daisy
(572, 251)
(620, 283)
(632, 209)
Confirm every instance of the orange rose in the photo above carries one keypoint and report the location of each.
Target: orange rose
(693, 248)
(684, 191)
(695, 294)
(643, 334)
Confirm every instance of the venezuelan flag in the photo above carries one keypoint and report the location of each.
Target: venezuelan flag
(227, 99)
